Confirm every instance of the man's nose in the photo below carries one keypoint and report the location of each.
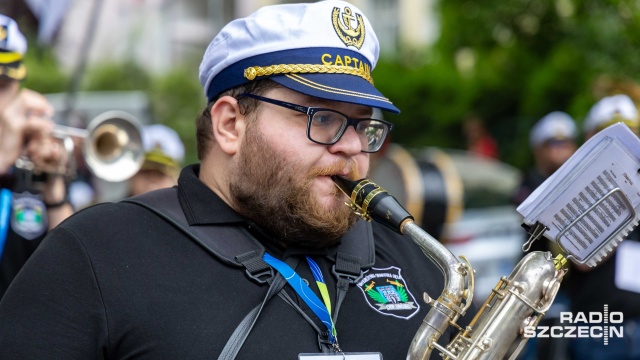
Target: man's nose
(350, 143)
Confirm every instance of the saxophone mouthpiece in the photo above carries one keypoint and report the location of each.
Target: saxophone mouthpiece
(370, 201)
(344, 184)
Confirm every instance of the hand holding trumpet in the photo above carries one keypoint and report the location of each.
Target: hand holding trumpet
(26, 129)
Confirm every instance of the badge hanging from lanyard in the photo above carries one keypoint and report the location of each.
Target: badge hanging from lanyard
(28, 215)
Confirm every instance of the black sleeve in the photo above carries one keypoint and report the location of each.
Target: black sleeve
(53, 309)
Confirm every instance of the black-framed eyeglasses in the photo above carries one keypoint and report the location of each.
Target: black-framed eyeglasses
(326, 126)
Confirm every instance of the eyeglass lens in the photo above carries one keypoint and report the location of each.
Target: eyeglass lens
(327, 127)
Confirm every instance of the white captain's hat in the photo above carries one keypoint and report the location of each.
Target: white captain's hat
(325, 49)
(556, 125)
(164, 150)
(13, 46)
(610, 110)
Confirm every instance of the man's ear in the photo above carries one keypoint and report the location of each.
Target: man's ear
(228, 124)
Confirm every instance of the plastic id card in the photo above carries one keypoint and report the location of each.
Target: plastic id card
(341, 356)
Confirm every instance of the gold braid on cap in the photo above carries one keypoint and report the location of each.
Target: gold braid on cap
(255, 71)
(10, 57)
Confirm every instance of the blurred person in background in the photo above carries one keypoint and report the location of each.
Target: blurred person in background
(164, 153)
(479, 140)
(590, 289)
(611, 110)
(32, 201)
(552, 141)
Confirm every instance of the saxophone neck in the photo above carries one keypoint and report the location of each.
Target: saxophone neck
(454, 300)
(455, 272)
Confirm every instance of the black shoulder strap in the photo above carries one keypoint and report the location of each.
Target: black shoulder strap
(356, 251)
(244, 251)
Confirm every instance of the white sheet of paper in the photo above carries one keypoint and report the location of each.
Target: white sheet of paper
(628, 266)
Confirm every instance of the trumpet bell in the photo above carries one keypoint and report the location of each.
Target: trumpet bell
(113, 147)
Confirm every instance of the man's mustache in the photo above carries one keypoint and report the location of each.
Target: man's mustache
(345, 168)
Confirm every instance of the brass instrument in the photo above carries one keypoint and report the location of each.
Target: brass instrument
(112, 145)
(517, 301)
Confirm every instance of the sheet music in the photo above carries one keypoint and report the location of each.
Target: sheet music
(591, 203)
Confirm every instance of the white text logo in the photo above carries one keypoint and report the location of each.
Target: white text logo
(603, 325)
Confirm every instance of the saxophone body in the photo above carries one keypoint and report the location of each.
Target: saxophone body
(517, 301)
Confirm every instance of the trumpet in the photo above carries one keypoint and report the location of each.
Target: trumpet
(112, 146)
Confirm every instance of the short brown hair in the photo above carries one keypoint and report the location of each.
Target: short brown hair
(204, 131)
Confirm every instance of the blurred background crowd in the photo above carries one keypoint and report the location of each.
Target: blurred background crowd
(494, 95)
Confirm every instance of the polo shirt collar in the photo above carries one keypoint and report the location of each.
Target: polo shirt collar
(200, 204)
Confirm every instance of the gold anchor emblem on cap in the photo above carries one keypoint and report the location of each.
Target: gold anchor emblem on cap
(350, 36)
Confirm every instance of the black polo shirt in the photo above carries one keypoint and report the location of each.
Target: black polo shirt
(115, 281)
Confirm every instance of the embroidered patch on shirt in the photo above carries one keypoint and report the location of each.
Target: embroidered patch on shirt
(387, 293)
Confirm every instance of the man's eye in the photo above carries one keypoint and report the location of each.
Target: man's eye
(322, 119)
(326, 118)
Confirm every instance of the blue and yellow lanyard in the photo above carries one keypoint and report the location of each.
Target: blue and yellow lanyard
(5, 210)
(322, 310)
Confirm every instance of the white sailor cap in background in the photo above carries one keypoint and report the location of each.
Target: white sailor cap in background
(610, 110)
(163, 148)
(325, 49)
(13, 46)
(556, 125)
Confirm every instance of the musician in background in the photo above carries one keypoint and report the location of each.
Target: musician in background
(32, 201)
(479, 140)
(164, 153)
(552, 140)
(590, 289)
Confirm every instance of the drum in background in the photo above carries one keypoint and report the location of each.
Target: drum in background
(427, 184)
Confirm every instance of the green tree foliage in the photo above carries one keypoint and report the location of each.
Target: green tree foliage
(43, 72)
(175, 97)
(117, 77)
(511, 63)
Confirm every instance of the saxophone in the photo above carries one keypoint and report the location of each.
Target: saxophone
(517, 301)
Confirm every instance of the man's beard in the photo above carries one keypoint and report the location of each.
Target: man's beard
(276, 194)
